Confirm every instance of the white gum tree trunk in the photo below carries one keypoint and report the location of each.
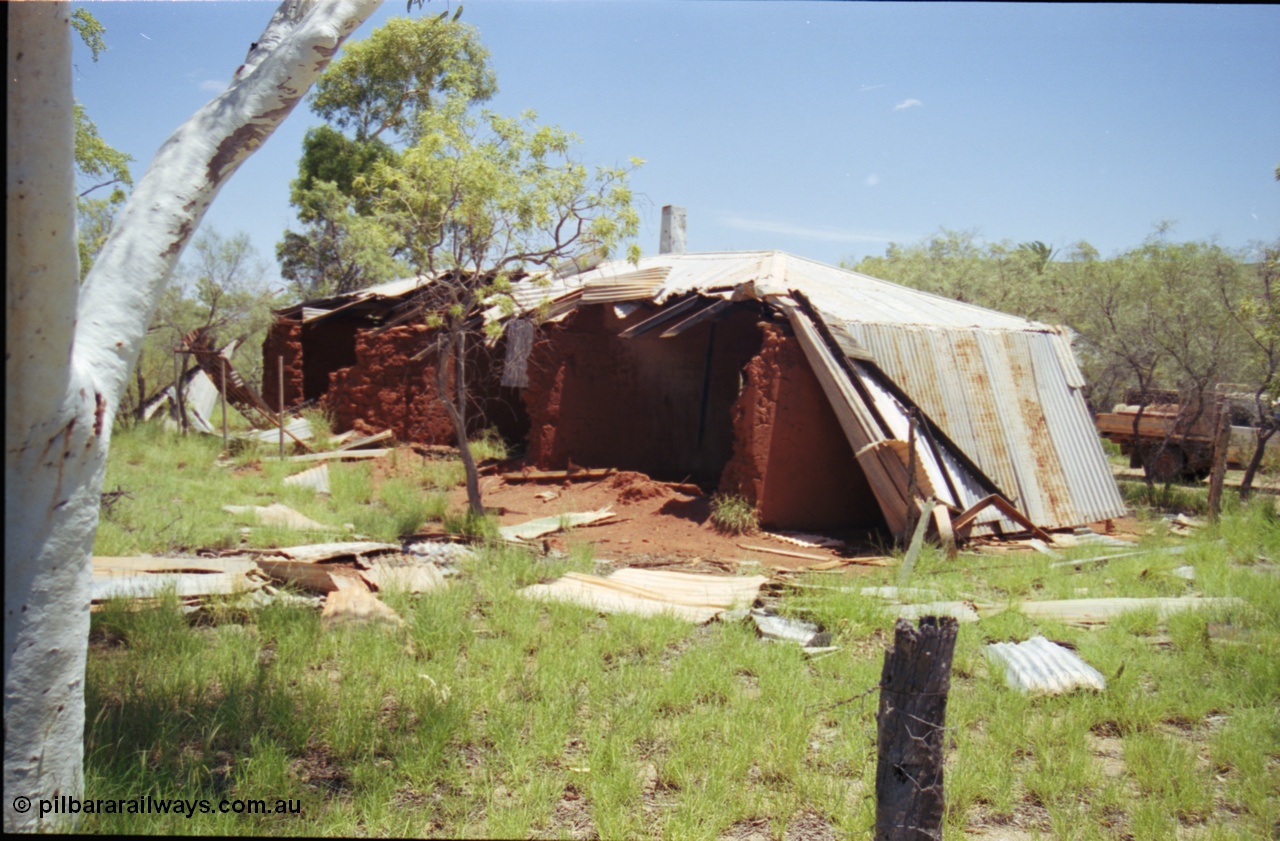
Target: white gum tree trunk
(69, 347)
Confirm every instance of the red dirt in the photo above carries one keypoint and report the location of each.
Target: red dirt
(790, 456)
(654, 522)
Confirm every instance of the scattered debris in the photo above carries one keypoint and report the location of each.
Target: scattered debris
(276, 514)
(1100, 611)
(558, 475)
(414, 578)
(317, 478)
(449, 553)
(1186, 572)
(839, 563)
(549, 525)
(546, 496)
(810, 637)
(1040, 667)
(1088, 537)
(188, 578)
(786, 553)
(339, 455)
(693, 596)
(356, 605)
(315, 553)
(364, 441)
(808, 541)
(1182, 525)
(298, 429)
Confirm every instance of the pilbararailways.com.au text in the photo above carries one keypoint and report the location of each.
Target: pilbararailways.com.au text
(148, 805)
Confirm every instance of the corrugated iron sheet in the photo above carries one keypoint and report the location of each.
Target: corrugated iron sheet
(1038, 666)
(1005, 400)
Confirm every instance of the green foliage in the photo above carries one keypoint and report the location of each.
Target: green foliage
(489, 196)
(339, 249)
(385, 82)
(1165, 315)
(90, 31)
(733, 514)
(98, 165)
(378, 89)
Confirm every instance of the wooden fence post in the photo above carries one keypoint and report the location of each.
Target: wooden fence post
(280, 405)
(225, 446)
(1221, 443)
(912, 730)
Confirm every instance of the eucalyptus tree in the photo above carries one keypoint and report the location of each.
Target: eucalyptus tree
(478, 201)
(70, 345)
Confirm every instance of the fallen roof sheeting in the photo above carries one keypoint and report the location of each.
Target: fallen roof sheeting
(644, 592)
(1100, 611)
(1040, 667)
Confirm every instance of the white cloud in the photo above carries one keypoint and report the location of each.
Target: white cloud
(821, 234)
(212, 86)
(873, 180)
(907, 103)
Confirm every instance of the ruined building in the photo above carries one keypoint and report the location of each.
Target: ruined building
(827, 397)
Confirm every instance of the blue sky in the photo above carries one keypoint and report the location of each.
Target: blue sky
(824, 129)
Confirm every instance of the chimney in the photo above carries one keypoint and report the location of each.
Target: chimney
(671, 239)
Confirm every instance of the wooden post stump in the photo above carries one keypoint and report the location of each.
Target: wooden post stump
(911, 722)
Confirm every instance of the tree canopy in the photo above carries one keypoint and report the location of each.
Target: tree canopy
(378, 93)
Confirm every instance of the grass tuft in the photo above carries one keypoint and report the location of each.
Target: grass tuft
(733, 514)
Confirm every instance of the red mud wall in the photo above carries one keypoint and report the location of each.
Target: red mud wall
(790, 456)
(283, 339)
(385, 389)
(637, 404)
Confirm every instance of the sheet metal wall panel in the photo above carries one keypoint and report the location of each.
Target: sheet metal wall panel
(1079, 452)
(943, 390)
(1004, 388)
(1054, 493)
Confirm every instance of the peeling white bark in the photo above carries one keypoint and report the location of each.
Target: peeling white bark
(69, 349)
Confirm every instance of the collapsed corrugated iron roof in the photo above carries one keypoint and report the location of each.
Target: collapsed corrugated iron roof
(998, 398)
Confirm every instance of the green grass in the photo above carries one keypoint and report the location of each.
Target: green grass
(733, 514)
(492, 716)
(173, 495)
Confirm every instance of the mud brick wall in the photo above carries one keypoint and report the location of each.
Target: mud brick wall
(791, 457)
(595, 400)
(387, 389)
(284, 338)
